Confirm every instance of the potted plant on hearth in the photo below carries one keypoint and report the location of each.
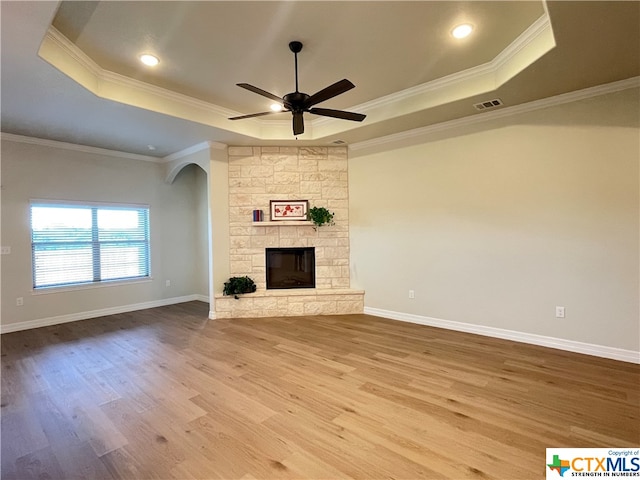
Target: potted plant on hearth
(320, 216)
(238, 285)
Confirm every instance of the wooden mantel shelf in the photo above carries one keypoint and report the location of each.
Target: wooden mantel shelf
(282, 223)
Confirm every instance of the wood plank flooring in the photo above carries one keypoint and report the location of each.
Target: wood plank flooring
(167, 394)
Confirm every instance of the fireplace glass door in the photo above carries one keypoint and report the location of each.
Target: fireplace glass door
(291, 268)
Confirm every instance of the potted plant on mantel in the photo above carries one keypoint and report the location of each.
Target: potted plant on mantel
(238, 285)
(320, 216)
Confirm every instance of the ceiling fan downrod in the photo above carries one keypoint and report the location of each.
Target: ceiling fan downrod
(294, 101)
(295, 47)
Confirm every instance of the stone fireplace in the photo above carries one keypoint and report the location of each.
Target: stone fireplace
(258, 175)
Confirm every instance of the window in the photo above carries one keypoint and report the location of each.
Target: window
(83, 244)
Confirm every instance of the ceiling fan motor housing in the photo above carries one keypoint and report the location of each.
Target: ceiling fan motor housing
(295, 101)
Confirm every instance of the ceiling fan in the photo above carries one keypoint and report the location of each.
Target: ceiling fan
(298, 103)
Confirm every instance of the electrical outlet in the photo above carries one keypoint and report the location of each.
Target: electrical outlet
(5, 250)
(167, 283)
(412, 294)
(19, 301)
(559, 312)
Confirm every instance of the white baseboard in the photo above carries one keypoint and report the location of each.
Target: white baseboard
(533, 339)
(73, 317)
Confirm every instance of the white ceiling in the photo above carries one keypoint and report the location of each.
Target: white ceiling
(70, 71)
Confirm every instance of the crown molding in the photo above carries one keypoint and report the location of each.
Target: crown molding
(424, 132)
(526, 38)
(491, 70)
(72, 51)
(526, 48)
(77, 148)
(112, 153)
(194, 149)
(64, 55)
(106, 77)
(121, 81)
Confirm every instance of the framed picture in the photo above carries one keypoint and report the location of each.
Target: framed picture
(288, 210)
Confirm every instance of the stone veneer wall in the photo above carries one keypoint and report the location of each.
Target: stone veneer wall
(318, 174)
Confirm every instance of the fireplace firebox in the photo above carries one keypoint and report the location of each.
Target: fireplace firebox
(291, 268)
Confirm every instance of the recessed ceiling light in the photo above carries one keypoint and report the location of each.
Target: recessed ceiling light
(149, 60)
(276, 107)
(462, 31)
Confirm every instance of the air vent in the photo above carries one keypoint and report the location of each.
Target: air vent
(489, 104)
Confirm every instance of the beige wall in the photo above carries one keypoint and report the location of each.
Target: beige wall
(201, 234)
(498, 226)
(34, 171)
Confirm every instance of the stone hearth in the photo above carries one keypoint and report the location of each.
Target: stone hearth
(287, 303)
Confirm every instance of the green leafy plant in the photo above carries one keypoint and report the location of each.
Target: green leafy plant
(320, 216)
(238, 285)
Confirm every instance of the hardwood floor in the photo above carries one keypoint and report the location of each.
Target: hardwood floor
(166, 394)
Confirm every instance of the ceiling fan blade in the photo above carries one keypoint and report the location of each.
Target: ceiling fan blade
(251, 115)
(259, 91)
(298, 123)
(329, 92)
(328, 112)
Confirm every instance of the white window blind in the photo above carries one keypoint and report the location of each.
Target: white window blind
(81, 244)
